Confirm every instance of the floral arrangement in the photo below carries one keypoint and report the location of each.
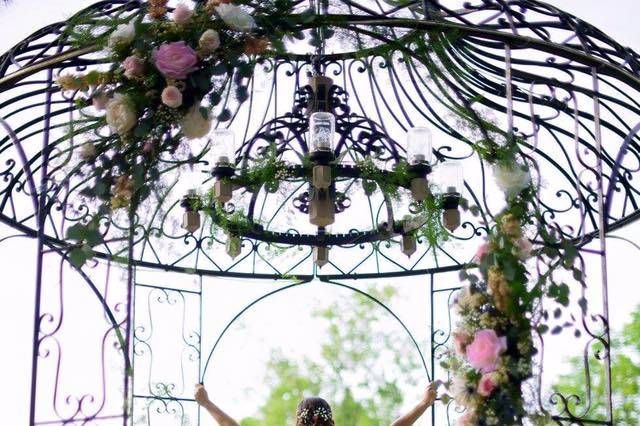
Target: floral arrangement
(493, 349)
(168, 71)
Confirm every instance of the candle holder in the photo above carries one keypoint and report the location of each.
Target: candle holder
(191, 218)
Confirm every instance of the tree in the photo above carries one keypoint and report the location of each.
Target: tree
(625, 377)
(364, 368)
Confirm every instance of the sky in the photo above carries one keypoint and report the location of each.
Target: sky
(23, 17)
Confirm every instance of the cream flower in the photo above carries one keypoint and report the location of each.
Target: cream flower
(121, 115)
(512, 179)
(209, 41)
(461, 391)
(194, 125)
(87, 151)
(236, 18)
(124, 34)
(464, 298)
(171, 97)
(524, 247)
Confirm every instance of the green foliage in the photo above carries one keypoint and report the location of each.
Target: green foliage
(389, 182)
(87, 236)
(235, 223)
(267, 171)
(432, 230)
(352, 371)
(625, 377)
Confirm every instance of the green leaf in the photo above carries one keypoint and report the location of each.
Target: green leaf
(93, 237)
(77, 257)
(77, 232)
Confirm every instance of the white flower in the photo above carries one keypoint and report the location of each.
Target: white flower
(123, 34)
(461, 391)
(524, 247)
(235, 17)
(512, 179)
(194, 125)
(209, 41)
(121, 116)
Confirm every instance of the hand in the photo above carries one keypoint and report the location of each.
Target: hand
(431, 393)
(201, 395)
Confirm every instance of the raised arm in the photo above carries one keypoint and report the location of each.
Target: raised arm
(220, 416)
(412, 416)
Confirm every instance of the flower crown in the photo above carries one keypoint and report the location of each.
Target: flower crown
(305, 416)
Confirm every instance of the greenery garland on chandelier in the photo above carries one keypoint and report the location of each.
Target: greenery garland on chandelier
(167, 75)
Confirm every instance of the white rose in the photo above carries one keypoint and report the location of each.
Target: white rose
(121, 116)
(209, 41)
(511, 179)
(525, 247)
(123, 34)
(194, 125)
(236, 18)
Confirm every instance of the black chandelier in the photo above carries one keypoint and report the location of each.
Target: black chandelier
(325, 132)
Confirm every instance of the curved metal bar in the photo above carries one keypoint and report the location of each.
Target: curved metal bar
(25, 165)
(240, 314)
(615, 174)
(281, 289)
(386, 308)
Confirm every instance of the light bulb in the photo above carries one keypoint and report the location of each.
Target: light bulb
(322, 128)
(450, 178)
(223, 146)
(419, 145)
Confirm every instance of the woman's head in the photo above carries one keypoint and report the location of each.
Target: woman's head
(314, 412)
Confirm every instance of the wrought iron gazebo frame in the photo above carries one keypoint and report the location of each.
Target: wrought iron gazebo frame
(601, 194)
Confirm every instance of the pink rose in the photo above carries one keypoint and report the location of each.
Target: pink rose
(171, 97)
(100, 101)
(482, 251)
(460, 341)
(181, 14)
(485, 350)
(133, 67)
(468, 419)
(175, 60)
(487, 384)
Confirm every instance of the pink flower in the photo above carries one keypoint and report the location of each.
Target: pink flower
(485, 350)
(482, 251)
(181, 14)
(171, 97)
(468, 419)
(133, 67)
(147, 148)
(175, 60)
(487, 384)
(460, 341)
(100, 101)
